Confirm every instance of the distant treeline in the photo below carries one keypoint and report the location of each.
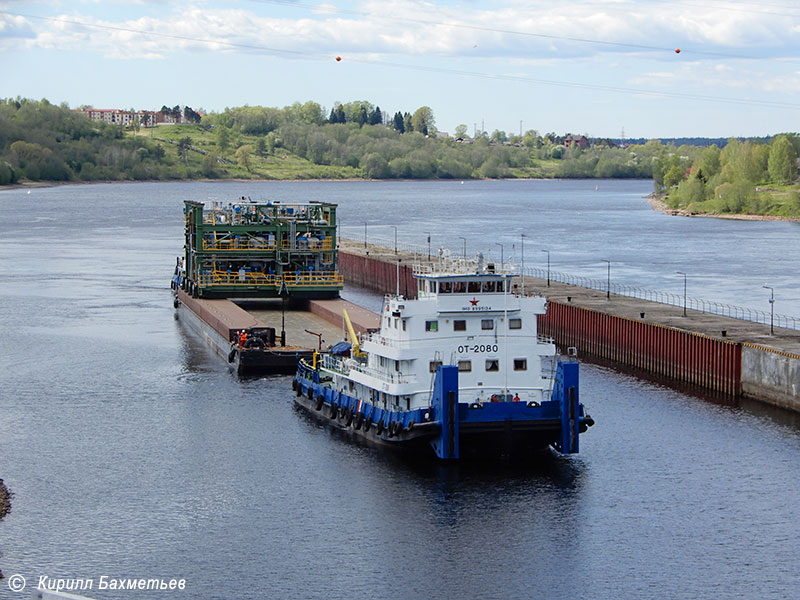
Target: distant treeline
(43, 142)
(702, 142)
(407, 145)
(747, 177)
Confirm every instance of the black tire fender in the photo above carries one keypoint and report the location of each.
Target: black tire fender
(379, 427)
(232, 355)
(320, 402)
(348, 417)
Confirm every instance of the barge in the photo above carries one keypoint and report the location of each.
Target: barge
(460, 371)
(280, 254)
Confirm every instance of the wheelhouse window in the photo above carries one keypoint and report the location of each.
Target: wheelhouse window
(492, 364)
(487, 324)
(431, 325)
(520, 364)
(465, 366)
(434, 364)
(515, 323)
(474, 287)
(459, 325)
(489, 286)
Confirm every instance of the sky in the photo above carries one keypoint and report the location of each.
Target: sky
(602, 68)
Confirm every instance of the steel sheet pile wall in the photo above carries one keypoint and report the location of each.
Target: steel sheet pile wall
(693, 358)
(375, 274)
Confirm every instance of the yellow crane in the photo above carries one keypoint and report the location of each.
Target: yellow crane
(356, 348)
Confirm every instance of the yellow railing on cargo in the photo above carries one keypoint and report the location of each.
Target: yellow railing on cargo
(313, 278)
(292, 280)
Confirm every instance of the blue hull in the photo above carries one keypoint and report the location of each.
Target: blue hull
(451, 429)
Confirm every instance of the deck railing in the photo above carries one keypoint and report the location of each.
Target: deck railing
(337, 365)
(292, 280)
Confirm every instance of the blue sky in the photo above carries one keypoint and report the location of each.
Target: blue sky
(590, 67)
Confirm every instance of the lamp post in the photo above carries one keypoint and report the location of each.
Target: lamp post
(395, 238)
(522, 252)
(608, 279)
(428, 233)
(548, 266)
(771, 308)
(684, 290)
(284, 294)
(502, 262)
(465, 245)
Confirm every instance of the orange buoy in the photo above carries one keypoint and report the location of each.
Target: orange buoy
(338, 58)
(677, 50)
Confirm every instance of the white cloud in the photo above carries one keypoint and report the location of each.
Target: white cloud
(512, 30)
(413, 27)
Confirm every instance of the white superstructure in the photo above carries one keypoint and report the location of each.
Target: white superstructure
(465, 314)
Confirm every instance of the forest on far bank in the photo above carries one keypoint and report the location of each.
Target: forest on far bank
(40, 141)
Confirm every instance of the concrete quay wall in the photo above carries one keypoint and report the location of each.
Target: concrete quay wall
(729, 356)
(771, 376)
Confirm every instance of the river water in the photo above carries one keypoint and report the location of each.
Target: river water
(133, 452)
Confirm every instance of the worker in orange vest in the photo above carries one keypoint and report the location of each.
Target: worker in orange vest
(242, 338)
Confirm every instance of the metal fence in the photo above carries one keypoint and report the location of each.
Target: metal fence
(707, 306)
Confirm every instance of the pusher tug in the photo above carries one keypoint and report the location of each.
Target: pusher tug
(460, 370)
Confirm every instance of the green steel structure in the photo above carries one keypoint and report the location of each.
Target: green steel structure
(249, 249)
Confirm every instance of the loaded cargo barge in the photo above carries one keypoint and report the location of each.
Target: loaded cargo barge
(247, 267)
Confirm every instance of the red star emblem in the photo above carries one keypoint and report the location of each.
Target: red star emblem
(474, 302)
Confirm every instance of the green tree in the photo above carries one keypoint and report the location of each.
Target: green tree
(337, 114)
(376, 117)
(408, 125)
(183, 148)
(397, 122)
(498, 136)
(732, 197)
(243, 157)
(376, 166)
(209, 168)
(689, 191)
(223, 135)
(7, 173)
(423, 121)
(261, 147)
(709, 161)
(461, 131)
(673, 177)
(782, 162)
